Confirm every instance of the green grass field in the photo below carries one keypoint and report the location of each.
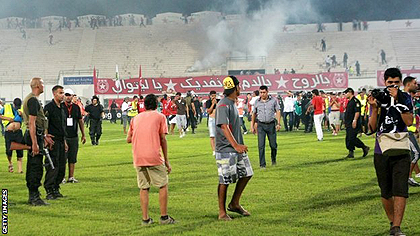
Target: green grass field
(313, 190)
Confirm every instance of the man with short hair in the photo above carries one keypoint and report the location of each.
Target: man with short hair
(124, 114)
(96, 113)
(288, 111)
(147, 134)
(334, 116)
(363, 102)
(36, 136)
(211, 104)
(410, 86)
(181, 114)
(74, 120)
(54, 112)
(11, 118)
(353, 124)
(232, 161)
(266, 115)
(392, 171)
(191, 112)
(317, 104)
(133, 109)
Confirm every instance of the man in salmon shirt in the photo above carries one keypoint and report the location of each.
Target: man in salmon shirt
(147, 134)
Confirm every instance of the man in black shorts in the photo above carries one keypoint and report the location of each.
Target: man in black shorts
(392, 171)
(231, 154)
(11, 117)
(74, 120)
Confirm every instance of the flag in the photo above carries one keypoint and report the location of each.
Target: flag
(117, 78)
(140, 80)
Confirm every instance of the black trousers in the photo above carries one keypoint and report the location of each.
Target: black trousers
(309, 122)
(296, 121)
(54, 177)
(243, 124)
(191, 120)
(95, 130)
(34, 165)
(270, 131)
(352, 140)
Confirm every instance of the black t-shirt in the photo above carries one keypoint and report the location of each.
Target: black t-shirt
(95, 111)
(76, 115)
(208, 103)
(353, 107)
(56, 119)
(392, 114)
(33, 106)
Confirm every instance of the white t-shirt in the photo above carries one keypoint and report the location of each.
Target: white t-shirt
(240, 106)
(252, 102)
(289, 104)
(124, 108)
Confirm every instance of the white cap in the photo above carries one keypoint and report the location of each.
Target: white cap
(69, 91)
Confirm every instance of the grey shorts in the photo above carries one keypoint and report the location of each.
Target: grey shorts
(125, 120)
(232, 166)
(181, 121)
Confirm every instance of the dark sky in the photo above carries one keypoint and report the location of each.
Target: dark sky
(330, 10)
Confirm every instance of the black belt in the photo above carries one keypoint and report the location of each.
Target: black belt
(267, 123)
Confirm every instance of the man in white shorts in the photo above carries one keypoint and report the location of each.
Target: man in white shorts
(211, 108)
(334, 115)
(181, 114)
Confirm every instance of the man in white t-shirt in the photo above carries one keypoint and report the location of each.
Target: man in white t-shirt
(289, 103)
(124, 113)
(255, 97)
(240, 105)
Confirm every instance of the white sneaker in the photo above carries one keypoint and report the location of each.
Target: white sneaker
(72, 180)
(418, 175)
(64, 181)
(214, 153)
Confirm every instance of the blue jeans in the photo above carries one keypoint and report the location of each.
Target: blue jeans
(288, 125)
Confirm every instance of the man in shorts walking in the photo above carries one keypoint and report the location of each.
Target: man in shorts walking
(211, 110)
(232, 161)
(181, 114)
(147, 133)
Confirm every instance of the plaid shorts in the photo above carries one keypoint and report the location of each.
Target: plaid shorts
(233, 166)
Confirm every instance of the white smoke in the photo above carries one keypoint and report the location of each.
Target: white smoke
(254, 35)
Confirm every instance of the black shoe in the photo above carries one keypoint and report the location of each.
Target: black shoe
(57, 193)
(50, 195)
(396, 231)
(365, 151)
(273, 163)
(350, 155)
(35, 200)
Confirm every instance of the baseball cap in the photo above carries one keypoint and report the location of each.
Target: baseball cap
(230, 82)
(68, 91)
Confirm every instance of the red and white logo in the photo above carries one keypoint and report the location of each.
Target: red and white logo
(102, 86)
(340, 80)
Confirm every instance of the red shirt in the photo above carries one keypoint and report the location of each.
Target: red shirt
(318, 103)
(140, 106)
(343, 104)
